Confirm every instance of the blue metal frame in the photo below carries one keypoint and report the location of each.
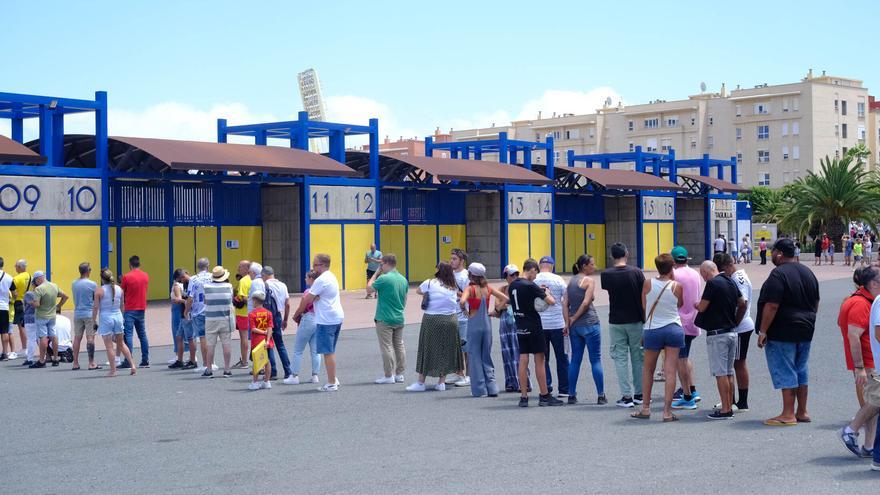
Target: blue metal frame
(705, 165)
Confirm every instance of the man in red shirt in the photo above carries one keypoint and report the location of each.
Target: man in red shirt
(134, 286)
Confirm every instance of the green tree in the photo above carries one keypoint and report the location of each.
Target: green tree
(768, 205)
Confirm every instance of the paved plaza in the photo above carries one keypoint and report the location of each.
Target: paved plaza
(175, 432)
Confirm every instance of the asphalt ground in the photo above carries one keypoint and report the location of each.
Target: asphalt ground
(174, 432)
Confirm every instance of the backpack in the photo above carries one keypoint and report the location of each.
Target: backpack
(272, 306)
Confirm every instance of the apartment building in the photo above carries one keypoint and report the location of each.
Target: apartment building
(873, 137)
(777, 133)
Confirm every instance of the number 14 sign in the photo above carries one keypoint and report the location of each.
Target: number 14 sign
(342, 203)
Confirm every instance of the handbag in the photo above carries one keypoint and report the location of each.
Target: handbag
(650, 317)
(260, 357)
(426, 298)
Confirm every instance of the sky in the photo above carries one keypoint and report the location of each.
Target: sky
(172, 68)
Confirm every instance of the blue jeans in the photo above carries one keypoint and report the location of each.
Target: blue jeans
(306, 334)
(590, 338)
(278, 339)
(134, 320)
(787, 363)
(556, 338)
(176, 328)
(877, 442)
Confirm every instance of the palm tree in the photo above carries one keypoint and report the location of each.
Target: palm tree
(768, 205)
(828, 201)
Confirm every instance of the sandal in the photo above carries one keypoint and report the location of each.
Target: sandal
(806, 419)
(75, 368)
(776, 422)
(97, 367)
(640, 415)
(670, 419)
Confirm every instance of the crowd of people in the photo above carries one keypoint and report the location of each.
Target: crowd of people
(652, 322)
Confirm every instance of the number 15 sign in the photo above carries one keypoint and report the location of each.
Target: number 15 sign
(49, 198)
(342, 203)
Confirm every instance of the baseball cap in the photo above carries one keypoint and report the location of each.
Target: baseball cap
(258, 295)
(477, 270)
(548, 260)
(38, 274)
(509, 270)
(679, 253)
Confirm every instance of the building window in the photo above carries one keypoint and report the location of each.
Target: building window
(836, 154)
(843, 132)
(842, 107)
(671, 121)
(785, 105)
(763, 178)
(763, 132)
(652, 123)
(444, 155)
(860, 108)
(785, 152)
(836, 130)
(845, 149)
(632, 147)
(785, 178)
(762, 108)
(739, 156)
(795, 152)
(693, 143)
(739, 133)
(567, 134)
(785, 128)
(739, 111)
(763, 156)
(836, 106)
(556, 157)
(711, 120)
(861, 133)
(557, 134)
(666, 144)
(629, 125)
(651, 144)
(795, 128)
(710, 141)
(795, 103)
(693, 120)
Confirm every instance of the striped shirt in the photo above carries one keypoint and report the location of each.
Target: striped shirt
(218, 300)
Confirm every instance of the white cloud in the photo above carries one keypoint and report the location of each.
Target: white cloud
(359, 110)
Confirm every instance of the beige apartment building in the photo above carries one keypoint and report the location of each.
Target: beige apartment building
(777, 133)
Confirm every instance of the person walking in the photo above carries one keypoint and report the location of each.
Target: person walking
(6, 289)
(305, 335)
(194, 311)
(22, 283)
(476, 299)
(831, 251)
(391, 288)
(183, 329)
(854, 322)
(762, 247)
(324, 294)
(373, 259)
(507, 332)
(240, 301)
(439, 352)
(107, 317)
(787, 306)
(690, 281)
(554, 323)
(661, 299)
(459, 260)
(219, 319)
(868, 247)
(584, 330)
(83, 291)
(46, 304)
(277, 301)
(624, 284)
(744, 330)
(134, 284)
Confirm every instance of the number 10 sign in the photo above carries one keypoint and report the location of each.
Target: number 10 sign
(342, 203)
(49, 198)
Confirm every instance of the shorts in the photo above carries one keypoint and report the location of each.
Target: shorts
(531, 341)
(45, 328)
(872, 390)
(656, 339)
(685, 351)
(83, 326)
(186, 329)
(721, 350)
(857, 258)
(241, 323)
(198, 326)
(4, 322)
(112, 325)
(370, 274)
(462, 331)
(743, 348)
(787, 363)
(327, 337)
(217, 329)
(18, 319)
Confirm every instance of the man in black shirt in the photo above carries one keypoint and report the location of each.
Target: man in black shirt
(786, 320)
(523, 295)
(719, 311)
(624, 284)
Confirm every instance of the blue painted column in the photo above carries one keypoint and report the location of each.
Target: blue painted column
(221, 130)
(46, 141)
(502, 147)
(102, 161)
(429, 146)
(374, 175)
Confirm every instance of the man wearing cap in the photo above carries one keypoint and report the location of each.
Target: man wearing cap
(787, 307)
(686, 397)
(459, 260)
(46, 304)
(391, 288)
(195, 309)
(277, 290)
(553, 321)
(219, 319)
(507, 332)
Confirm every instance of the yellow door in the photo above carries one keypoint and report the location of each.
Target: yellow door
(393, 241)
(358, 238)
(326, 238)
(596, 243)
(422, 252)
(72, 245)
(517, 243)
(539, 244)
(151, 245)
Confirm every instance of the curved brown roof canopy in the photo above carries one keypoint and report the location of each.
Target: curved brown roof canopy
(14, 152)
(132, 154)
(394, 168)
(697, 183)
(603, 178)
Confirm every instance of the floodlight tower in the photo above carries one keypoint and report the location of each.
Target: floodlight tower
(313, 102)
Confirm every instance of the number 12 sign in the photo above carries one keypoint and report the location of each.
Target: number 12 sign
(342, 203)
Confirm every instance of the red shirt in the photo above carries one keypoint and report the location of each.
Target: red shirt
(856, 311)
(260, 318)
(134, 286)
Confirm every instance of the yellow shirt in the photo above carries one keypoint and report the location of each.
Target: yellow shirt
(21, 282)
(244, 287)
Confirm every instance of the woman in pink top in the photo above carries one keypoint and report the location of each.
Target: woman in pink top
(689, 279)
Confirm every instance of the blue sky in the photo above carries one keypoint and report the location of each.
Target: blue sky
(168, 66)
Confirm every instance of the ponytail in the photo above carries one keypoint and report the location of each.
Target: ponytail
(107, 278)
(582, 261)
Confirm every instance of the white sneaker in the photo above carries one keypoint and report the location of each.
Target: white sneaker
(416, 387)
(454, 378)
(384, 380)
(732, 407)
(464, 382)
(266, 385)
(291, 380)
(398, 378)
(213, 367)
(172, 360)
(329, 387)
(12, 355)
(315, 379)
(200, 369)
(254, 386)
(440, 387)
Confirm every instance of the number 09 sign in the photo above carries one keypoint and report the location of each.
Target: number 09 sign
(49, 198)
(342, 203)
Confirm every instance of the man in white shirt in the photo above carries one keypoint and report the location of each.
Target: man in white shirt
(553, 321)
(324, 294)
(872, 384)
(719, 245)
(280, 294)
(744, 331)
(459, 261)
(5, 327)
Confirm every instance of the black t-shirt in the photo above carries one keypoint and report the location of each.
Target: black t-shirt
(723, 295)
(522, 299)
(794, 287)
(624, 285)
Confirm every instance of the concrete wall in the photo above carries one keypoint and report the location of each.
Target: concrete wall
(483, 216)
(281, 233)
(620, 226)
(690, 228)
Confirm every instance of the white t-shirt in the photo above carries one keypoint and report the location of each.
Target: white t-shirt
(462, 280)
(441, 300)
(257, 284)
(875, 321)
(719, 244)
(279, 292)
(5, 284)
(745, 289)
(62, 330)
(551, 318)
(328, 309)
